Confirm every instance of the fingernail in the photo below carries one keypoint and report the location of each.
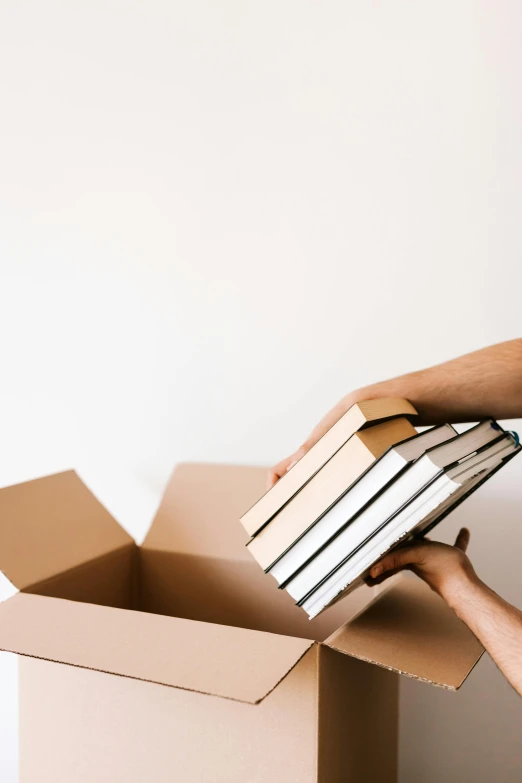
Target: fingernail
(378, 569)
(291, 465)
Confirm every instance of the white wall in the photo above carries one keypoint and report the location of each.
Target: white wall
(217, 218)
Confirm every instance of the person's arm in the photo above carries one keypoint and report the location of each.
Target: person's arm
(448, 571)
(480, 384)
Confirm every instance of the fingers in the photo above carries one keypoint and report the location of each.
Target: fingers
(280, 469)
(273, 477)
(400, 558)
(275, 473)
(462, 540)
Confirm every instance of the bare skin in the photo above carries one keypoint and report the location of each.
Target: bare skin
(470, 388)
(448, 571)
(484, 383)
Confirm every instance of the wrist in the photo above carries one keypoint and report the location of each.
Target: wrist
(460, 587)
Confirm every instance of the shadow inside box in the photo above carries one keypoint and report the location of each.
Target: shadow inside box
(231, 592)
(196, 587)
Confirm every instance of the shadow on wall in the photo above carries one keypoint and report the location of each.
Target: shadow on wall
(474, 734)
(495, 521)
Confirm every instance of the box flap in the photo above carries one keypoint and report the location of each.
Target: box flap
(201, 507)
(410, 629)
(219, 660)
(50, 525)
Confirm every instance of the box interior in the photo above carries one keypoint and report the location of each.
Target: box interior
(57, 541)
(234, 593)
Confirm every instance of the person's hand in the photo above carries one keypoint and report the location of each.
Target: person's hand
(470, 388)
(275, 473)
(444, 568)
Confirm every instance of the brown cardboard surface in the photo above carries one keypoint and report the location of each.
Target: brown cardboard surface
(289, 708)
(79, 726)
(200, 571)
(201, 507)
(358, 720)
(411, 630)
(108, 580)
(232, 592)
(222, 661)
(51, 525)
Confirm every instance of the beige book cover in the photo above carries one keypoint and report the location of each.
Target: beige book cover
(357, 417)
(326, 487)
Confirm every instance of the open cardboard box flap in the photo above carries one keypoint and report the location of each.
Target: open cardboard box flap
(54, 524)
(411, 630)
(234, 663)
(200, 509)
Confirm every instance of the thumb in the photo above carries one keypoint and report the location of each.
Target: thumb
(294, 459)
(400, 558)
(283, 467)
(463, 539)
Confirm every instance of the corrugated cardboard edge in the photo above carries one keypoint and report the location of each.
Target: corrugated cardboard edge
(442, 685)
(424, 614)
(166, 684)
(118, 641)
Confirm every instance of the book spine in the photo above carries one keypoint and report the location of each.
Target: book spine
(466, 495)
(348, 522)
(430, 527)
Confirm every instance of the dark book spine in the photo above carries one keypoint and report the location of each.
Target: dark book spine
(438, 519)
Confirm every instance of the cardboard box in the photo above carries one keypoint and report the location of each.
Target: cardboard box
(220, 678)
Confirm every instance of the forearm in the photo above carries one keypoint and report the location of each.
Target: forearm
(484, 383)
(480, 384)
(496, 624)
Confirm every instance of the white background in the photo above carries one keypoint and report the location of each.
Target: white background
(217, 218)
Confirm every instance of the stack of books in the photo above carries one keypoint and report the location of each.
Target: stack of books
(369, 484)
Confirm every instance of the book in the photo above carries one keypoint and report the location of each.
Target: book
(435, 517)
(401, 491)
(356, 418)
(412, 511)
(326, 487)
(351, 576)
(371, 483)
